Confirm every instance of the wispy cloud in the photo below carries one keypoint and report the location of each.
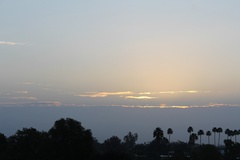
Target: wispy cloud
(222, 105)
(26, 83)
(31, 104)
(136, 95)
(140, 106)
(145, 93)
(103, 94)
(170, 92)
(21, 92)
(139, 97)
(10, 43)
(26, 98)
(46, 103)
(184, 106)
(177, 92)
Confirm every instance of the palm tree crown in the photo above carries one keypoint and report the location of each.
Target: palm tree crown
(227, 131)
(190, 129)
(158, 133)
(169, 132)
(208, 133)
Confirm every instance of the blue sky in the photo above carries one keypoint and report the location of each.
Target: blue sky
(127, 53)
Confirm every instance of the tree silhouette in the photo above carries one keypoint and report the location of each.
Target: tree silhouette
(208, 152)
(3, 143)
(26, 144)
(190, 130)
(231, 134)
(235, 133)
(113, 144)
(227, 131)
(200, 133)
(219, 131)
(158, 134)
(70, 140)
(214, 130)
(193, 137)
(169, 132)
(208, 133)
(129, 140)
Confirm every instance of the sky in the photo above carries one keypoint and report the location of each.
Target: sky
(130, 53)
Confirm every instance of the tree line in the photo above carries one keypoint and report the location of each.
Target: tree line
(68, 139)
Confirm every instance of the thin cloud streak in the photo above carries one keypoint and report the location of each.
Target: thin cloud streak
(140, 97)
(177, 92)
(27, 98)
(9, 43)
(21, 92)
(162, 106)
(31, 104)
(104, 94)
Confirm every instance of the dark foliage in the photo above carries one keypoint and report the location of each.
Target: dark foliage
(68, 139)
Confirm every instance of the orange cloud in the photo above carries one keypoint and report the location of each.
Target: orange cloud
(104, 94)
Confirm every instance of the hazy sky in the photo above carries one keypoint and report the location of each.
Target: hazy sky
(168, 53)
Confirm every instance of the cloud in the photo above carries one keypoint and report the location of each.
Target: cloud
(184, 106)
(31, 104)
(145, 93)
(26, 83)
(177, 92)
(26, 98)
(9, 43)
(160, 107)
(222, 105)
(46, 104)
(104, 94)
(21, 92)
(139, 97)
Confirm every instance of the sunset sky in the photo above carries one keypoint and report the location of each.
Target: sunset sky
(130, 53)
(127, 53)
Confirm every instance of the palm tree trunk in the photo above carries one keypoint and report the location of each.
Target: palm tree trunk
(208, 140)
(219, 139)
(214, 138)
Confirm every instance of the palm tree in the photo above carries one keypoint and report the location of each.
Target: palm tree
(231, 134)
(227, 132)
(219, 130)
(169, 132)
(214, 130)
(235, 133)
(158, 133)
(208, 133)
(238, 132)
(190, 130)
(200, 133)
(193, 137)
